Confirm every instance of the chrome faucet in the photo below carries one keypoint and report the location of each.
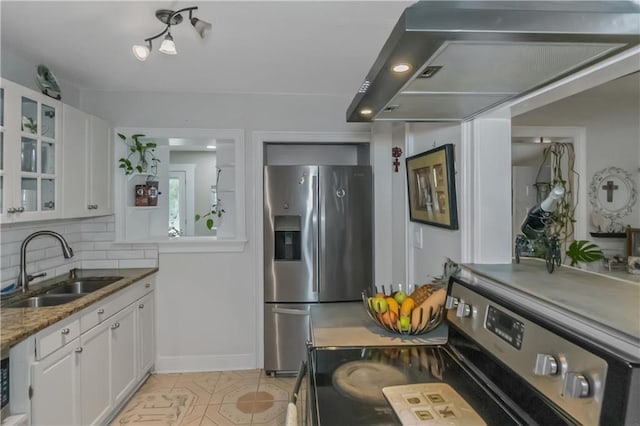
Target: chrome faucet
(24, 278)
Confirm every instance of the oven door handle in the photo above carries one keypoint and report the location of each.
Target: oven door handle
(292, 409)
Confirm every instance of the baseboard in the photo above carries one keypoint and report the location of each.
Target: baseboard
(183, 364)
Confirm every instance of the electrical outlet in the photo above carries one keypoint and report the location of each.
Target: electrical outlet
(417, 238)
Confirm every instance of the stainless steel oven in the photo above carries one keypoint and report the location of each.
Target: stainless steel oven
(506, 361)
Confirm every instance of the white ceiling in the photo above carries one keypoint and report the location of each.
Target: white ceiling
(315, 47)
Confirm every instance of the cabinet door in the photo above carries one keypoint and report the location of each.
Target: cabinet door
(100, 166)
(76, 138)
(94, 374)
(123, 352)
(55, 382)
(146, 333)
(33, 147)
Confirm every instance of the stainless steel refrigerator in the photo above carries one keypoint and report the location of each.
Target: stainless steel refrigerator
(318, 247)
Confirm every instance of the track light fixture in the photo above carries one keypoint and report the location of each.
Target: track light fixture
(169, 18)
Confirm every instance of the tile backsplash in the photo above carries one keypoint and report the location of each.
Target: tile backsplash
(91, 239)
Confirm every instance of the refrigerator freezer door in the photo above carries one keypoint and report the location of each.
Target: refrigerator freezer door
(346, 232)
(290, 234)
(286, 330)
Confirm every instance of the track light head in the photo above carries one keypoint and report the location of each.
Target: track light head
(168, 47)
(169, 18)
(201, 27)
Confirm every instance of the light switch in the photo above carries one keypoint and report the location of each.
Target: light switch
(417, 238)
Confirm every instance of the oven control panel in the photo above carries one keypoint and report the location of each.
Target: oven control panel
(569, 375)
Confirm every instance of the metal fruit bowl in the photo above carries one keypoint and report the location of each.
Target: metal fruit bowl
(422, 319)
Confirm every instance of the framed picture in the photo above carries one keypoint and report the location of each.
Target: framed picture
(633, 242)
(432, 189)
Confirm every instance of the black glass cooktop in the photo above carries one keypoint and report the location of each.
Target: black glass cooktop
(348, 384)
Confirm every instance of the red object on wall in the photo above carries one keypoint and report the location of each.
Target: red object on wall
(396, 152)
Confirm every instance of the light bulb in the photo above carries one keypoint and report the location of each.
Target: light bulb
(168, 46)
(201, 27)
(141, 52)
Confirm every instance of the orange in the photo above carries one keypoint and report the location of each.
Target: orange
(407, 306)
(393, 304)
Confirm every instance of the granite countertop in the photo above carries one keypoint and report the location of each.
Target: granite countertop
(16, 324)
(347, 325)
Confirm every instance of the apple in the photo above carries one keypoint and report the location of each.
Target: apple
(380, 305)
(400, 296)
(404, 324)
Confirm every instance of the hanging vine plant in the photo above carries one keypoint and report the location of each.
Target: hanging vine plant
(562, 158)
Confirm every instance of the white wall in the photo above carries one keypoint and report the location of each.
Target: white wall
(437, 243)
(217, 328)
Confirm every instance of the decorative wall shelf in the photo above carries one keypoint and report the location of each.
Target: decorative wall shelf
(608, 234)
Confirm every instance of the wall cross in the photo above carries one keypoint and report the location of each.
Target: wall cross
(610, 187)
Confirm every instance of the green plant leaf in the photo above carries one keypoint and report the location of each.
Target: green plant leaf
(209, 223)
(197, 217)
(123, 137)
(584, 251)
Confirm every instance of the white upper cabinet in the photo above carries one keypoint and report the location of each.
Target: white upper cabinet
(31, 158)
(87, 189)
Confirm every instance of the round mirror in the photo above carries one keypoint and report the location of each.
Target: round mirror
(612, 193)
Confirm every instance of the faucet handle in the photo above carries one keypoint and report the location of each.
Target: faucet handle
(32, 277)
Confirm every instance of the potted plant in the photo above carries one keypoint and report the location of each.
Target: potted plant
(215, 210)
(142, 153)
(584, 251)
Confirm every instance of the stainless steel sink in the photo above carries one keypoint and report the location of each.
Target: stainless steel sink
(45, 300)
(83, 285)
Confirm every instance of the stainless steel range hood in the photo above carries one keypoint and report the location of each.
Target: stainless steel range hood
(464, 57)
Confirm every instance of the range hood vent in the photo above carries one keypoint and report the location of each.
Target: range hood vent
(465, 57)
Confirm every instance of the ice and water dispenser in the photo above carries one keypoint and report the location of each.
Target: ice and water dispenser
(287, 238)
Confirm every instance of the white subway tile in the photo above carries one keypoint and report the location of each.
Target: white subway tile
(50, 263)
(109, 246)
(151, 254)
(10, 236)
(111, 227)
(5, 262)
(94, 227)
(64, 269)
(10, 248)
(35, 255)
(109, 218)
(99, 264)
(9, 275)
(139, 263)
(94, 255)
(101, 236)
(144, 246)
(125, 254)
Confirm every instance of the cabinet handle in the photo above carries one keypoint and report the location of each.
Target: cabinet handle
(116, 325)
(100, 311)
(89, 206)
(141, 306)
(11, 210)
(65, 331)
(78, 350)
(95, 207)
(20, 209)
(147, 285)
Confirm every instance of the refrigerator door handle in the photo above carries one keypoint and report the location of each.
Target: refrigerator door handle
(290, 311)
(314, 184)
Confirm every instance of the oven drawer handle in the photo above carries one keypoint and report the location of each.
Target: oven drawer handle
(290, 311)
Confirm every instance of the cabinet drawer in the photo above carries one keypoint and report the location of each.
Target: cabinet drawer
(53, 338)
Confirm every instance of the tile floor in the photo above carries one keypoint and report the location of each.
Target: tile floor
(246, 397)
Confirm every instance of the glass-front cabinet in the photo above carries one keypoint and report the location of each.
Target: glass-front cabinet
(30, 158)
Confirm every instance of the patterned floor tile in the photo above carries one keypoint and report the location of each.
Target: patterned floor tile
(274, 414)
(155, 409)
(159, 382)
(230, 392)
(225, 414)
(194, 415)
(201, 396)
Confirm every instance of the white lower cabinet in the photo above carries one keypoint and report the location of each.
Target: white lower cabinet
(95, 399)
(56, 385)
(146, 324)
(87, 378)
(122, 352)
